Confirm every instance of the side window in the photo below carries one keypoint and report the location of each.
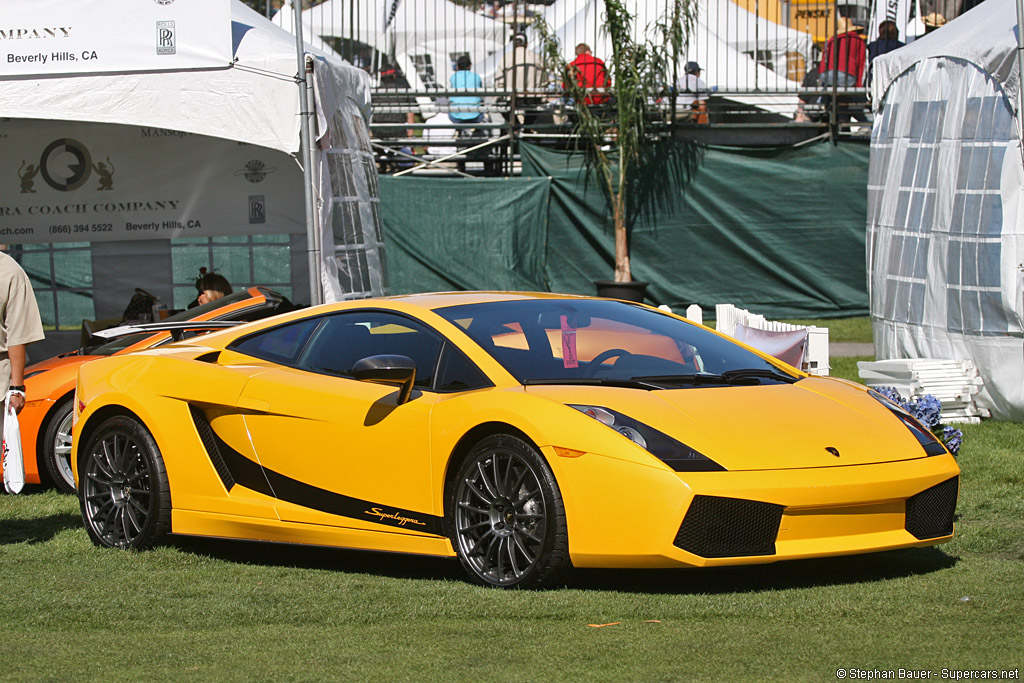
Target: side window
(346, 338)
(278, 344)
(458, 373)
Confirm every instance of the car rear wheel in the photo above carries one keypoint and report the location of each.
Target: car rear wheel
(56, 446)
(123, 489)
(506, 516)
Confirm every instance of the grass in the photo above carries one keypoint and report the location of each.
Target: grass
(238, 611)
(842, 329)
(234, 611)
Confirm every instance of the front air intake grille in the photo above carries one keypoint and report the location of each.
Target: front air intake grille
(729, 527)
(930, 513)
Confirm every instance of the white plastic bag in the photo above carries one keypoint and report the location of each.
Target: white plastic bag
(13, 463)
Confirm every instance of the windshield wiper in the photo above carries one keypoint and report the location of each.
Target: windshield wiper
(634, 383)
(740, 376)
(743, 373)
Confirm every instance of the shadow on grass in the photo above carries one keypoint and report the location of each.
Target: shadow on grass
(751, 578)
(38, 530)
(832, 571)
(393, 565)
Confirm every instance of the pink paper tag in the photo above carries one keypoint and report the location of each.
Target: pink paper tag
(568, 344)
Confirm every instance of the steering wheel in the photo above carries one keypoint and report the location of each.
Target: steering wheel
(596, 361)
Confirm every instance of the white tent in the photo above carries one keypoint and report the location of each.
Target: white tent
(221, 143)
(946, 202)
(726, 67)
(422, 35)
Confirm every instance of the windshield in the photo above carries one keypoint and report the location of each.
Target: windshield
(558, 341)
(122, 343)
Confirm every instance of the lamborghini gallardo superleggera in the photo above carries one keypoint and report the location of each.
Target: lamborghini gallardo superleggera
(522, 433)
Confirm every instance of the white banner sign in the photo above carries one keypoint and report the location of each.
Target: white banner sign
(45, 37)
(64, 181)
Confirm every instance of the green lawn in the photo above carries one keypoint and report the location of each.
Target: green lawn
(220, 610)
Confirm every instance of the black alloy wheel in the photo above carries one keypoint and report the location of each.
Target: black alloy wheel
(123, 489)
(506, 516)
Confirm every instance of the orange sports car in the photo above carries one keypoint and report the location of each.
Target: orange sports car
(50, 385)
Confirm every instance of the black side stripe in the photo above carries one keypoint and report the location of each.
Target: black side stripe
(234, 468)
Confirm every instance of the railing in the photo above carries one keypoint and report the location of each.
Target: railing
(758, 64)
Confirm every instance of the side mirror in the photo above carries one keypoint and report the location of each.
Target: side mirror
(388, 369)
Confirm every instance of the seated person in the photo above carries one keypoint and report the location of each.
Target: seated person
(464, 79)
(211, 287)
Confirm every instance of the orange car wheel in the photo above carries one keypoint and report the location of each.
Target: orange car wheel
(56, 446)
(507, 518)
(124, 494)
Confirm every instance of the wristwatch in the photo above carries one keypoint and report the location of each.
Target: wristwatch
(18, 387)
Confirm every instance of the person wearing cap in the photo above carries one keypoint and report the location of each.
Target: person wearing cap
(692, 97)
(844, 58)
(522, 71)
(932, 21)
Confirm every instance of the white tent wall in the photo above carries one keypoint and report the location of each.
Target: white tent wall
(198, 123)
(945, 238)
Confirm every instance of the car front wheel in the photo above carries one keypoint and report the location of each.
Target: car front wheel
(56, 446)
(506, 516)
(123, 489)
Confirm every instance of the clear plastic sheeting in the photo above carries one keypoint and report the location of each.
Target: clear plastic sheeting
(349, 205)
(944, 240)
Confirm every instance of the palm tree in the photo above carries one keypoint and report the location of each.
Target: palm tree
(641, 70)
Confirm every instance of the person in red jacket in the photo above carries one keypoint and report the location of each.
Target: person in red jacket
(846, 67)
(590, 73)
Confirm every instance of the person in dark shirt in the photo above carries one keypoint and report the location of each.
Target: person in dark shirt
(888, 40)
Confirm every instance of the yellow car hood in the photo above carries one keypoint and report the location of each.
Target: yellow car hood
(816, 422)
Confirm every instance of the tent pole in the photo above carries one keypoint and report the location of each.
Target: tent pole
(1020, 71)
(314, 246)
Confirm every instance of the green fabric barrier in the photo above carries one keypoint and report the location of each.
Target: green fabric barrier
(779, 231)
(776, 231)
(445, 234)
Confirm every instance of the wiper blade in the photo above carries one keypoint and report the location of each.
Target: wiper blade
(743, 373)
(739, 376)
(634, 383)
(694, 379)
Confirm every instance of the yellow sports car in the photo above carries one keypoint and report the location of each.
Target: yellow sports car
(522, 433)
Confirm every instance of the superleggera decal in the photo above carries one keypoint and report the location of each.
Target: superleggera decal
(242, 471)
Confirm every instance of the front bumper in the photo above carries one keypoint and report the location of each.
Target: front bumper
(622, 515)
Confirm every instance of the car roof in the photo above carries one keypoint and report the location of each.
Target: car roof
(435, 300)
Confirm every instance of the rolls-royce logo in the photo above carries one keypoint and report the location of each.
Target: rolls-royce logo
(255, 171)
(833, 451)
(165, 41)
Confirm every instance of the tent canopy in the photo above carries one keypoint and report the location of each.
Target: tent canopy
(945, 235)
(255, 99)
(726, 68)
(986, 36)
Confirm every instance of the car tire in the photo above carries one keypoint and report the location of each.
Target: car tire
(123, 489)
(56, 446)
(505, 516)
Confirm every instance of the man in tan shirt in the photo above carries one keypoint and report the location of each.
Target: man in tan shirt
(19, 325)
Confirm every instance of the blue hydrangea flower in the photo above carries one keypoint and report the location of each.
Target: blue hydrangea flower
(928, 411)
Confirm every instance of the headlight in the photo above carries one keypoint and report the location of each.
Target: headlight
(675, 454)
(928, 441)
